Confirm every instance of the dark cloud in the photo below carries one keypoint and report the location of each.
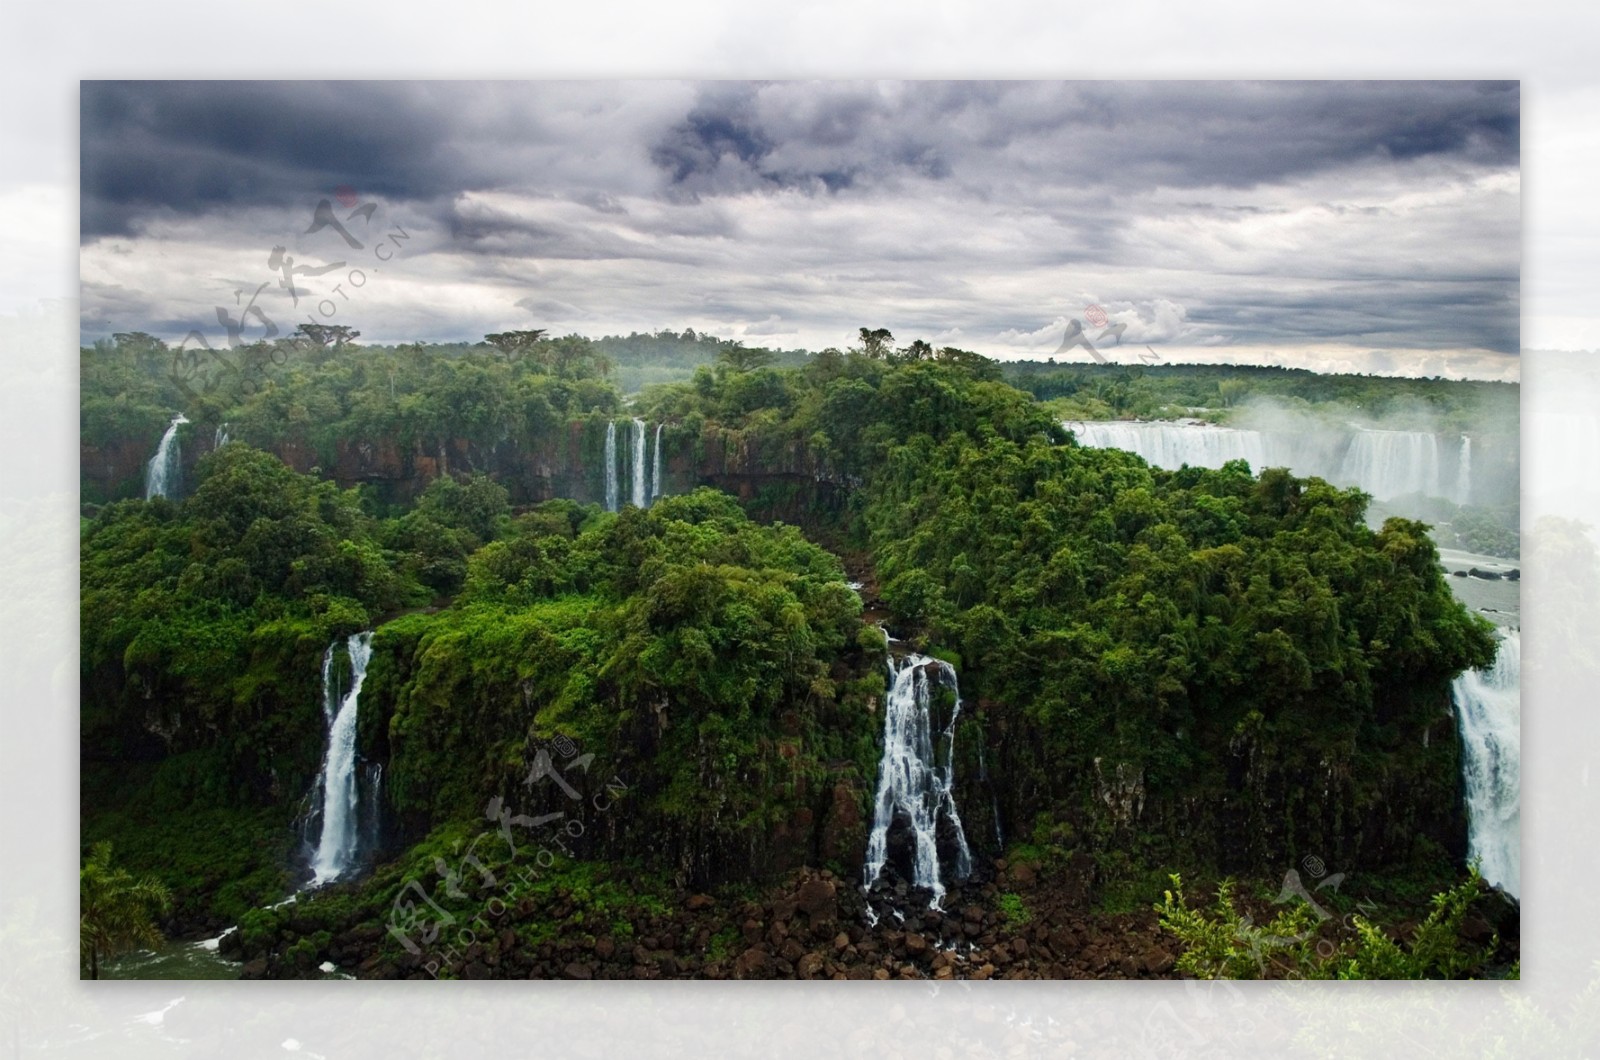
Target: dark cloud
(960, 201)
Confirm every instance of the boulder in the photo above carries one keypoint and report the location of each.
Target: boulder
(753, 963)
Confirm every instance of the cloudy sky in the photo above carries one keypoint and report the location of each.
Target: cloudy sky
(1338, 225)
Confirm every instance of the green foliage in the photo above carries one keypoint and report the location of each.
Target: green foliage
(1125, 614)
(116, 912)
(1014, 909)
(671, 641)
(1111, 391)
(1225, 943)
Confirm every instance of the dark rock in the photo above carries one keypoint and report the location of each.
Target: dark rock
(697, 902)
(753, 963)
(256, 969)
(577, 971)
(818, 899)
(604, 948)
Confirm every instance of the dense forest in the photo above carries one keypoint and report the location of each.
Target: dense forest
(642, 739)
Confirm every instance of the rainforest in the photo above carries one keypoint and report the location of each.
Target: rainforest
(660, 656)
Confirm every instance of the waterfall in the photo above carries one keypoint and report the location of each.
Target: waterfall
(162, 473)
(220, 439)
(1174, 445)
(1386, 464)
(612, 501)
(1489, 709)
(1464, 471)
(1390, 464)
(341, 834)
(655, 468)
(912, 781)
(639, 498)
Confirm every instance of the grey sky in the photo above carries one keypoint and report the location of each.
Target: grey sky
(1335, 224)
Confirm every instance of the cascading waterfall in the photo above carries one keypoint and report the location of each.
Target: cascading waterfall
(655, 468)
(639, 498)
(1489, 712)
(613, 501)
(912, 782)
(1173, 445)
(161, 474)
(1390, 464)
(341, 830)
(1386, 464)
(220, 439)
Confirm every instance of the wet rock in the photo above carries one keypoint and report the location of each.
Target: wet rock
(575, 970)
(604, 948)
(916, 945)
(697, 902)
(809, 966)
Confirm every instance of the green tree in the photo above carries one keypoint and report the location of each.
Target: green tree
(876, 343)
(514, 345)
(116, 913)
(742, 358)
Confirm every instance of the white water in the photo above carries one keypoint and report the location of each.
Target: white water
(337, 847)
(1464, 471)
(1489, 712)
(1174, 445)
(655, 468)
(1386, 464)
(161, 474)
(220, 439)
(909, 778)
(639, 498)
(613, 501)
(1390, 464)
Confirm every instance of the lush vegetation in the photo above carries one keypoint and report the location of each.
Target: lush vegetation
(116, 912)
(1198, 668)
(1214, 391)
(1302, 940)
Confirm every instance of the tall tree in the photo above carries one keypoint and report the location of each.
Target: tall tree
(515, 345)
(116, 912)
(876, 343)
(742, 358)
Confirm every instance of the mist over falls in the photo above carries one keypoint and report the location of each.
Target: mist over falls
(1389, 462)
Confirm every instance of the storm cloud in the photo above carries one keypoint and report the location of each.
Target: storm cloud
(1223, 215)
